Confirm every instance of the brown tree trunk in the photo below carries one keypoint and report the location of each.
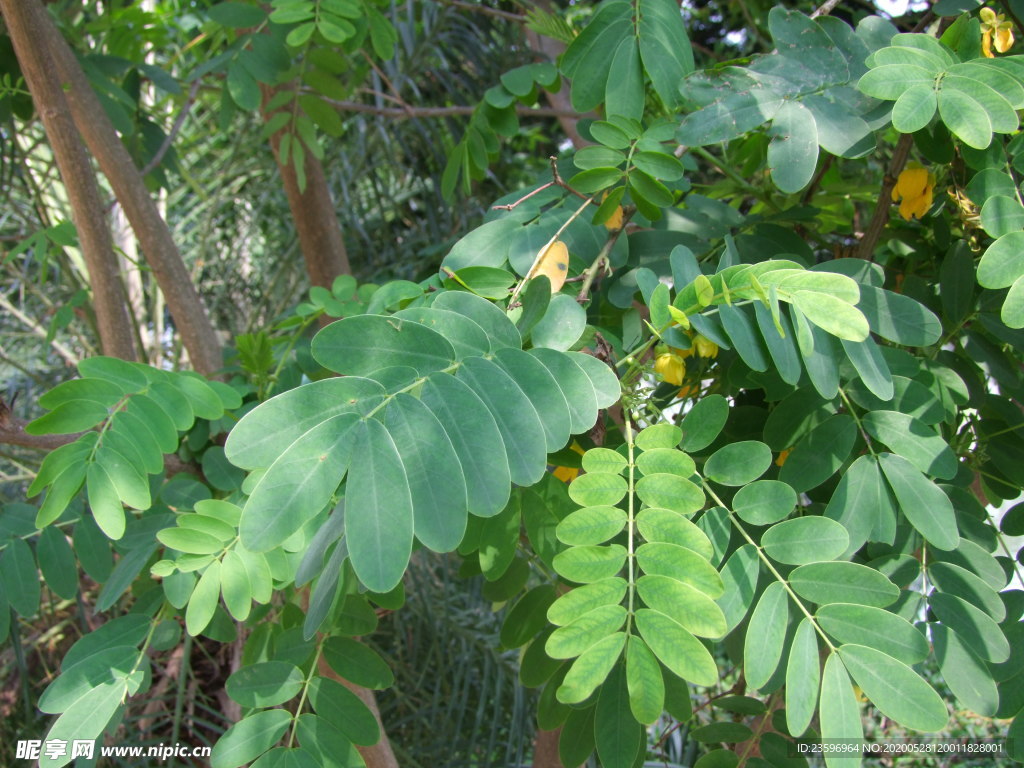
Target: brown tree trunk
(190, 316)
(109, 300)
(312, 207)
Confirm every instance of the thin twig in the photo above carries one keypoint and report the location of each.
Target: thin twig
(548, 244)
(880, 217)
(456, 111)
(825, 8)
(600, 263)
(175, 129)
(523, 199)
(69, 357)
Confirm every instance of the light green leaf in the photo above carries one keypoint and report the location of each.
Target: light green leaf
(499, 329)
(659, 436)
(576, 637)
(86, 718)
(670, 492)
(644, 682)
(764, 502)
(842, 582)
(337, 704)
(591, 525)
(300, 482)
(871, 366)
(676, 648)
(793, 151)
(562, 325)
(598, 489)
(922, 502)
(875, 628)
(590, 669)
(681, 564)
(543, 391)
(738, 463)
(915, 441)
(436, 482)
(624, 91)
(378, 508)
(703, 423)
(203, 601)
(899, 318)
(589, 564)
(235, 587)
(104, 501)
(739, 579)
(805, 540)
(964, 672)
(688, 607)
(914, 108)
(766, 635)
(832, 315)
(657, 524)
(476, 440)
(803, 676)
(361, 344)
(1001, 265)
(895, 688)
(19, 577)
(581, 600)
(839, 713)
(664, 48)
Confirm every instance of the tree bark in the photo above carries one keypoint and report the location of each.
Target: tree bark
(316, 221)
(183, 301)
(109, 299)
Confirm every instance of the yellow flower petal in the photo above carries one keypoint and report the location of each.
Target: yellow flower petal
(565, 474)
(986, 44)
(988, 16)
(705, 347)
(1004, 38)
(670, 368)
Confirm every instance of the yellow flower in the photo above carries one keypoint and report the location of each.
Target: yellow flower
(705, 347)
(688, 391)
(670, 367)
(566, 474)
(783, 455)
(915, 185)
(995, 28)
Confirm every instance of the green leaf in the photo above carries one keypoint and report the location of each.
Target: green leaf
(681, 564)
(594, 180)
(871, 366)
(203, 601)
(914, 109)
(863, 504)
(19, 577)
(745, 339)
(688, 607)
(1012, 313)
(739, 580)
(104, 501)
(361, 344)
(337, 704)
(875, 628)
(527, 617)
(959, 581)
(190, 541)
(436, 482)
(591, 525)
(68, 418)
(657, 524)
(379, 509)
(357, 663)
(832, 315)
(669, 492)
(86, 718)
(57, 563)
(466, 337)
(805, 540)
(476, 440)
(839, 713)
(250, 737)
(965, 117)
(803, 676)
(658, 436)
(922, 502)
(820, 454)
(603, 460)
(644, 682)
(576, 602)
(576, 386)
(580, 634)
(234, 585)
(619, 738)
(703, 423)
(257, 440)
(590, 564)
(842, 582)
(624, 92)
(562, 324)
(974, 626)
(893, 687)
(899, 318)
(676, 648)
(793, 151)
(738, 463)
(543, 391)
(591, 669)
(660, 165)
(515, 416)
(782, 348)
(301, 480)
(1001, 266)
(914, 441)
(964, 672)
(1001, 215)
(764, 502)
(766, 635)
(237, 15)
(265, 684)
(598, 489)
(664, 48)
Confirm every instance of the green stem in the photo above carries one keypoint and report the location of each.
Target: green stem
(630, 522)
